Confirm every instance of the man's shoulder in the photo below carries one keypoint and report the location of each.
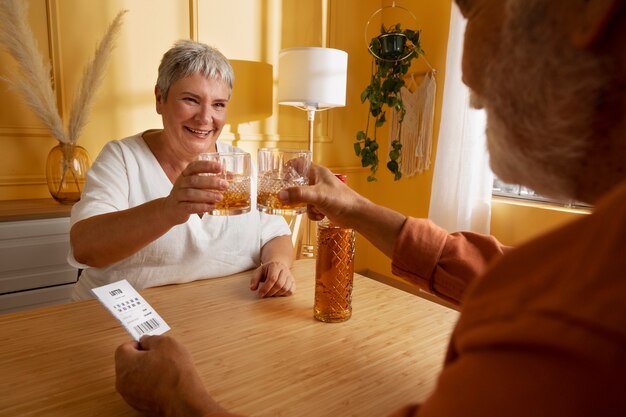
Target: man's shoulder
(574, 274)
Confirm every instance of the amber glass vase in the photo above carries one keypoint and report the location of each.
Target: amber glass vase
(66, 170)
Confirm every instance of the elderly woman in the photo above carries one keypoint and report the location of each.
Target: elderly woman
(140, 214)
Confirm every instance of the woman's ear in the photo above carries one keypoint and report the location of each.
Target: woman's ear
(158, 96)
(591, 20)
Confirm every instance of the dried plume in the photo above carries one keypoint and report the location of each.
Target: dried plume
(34, 82)
(92, 78)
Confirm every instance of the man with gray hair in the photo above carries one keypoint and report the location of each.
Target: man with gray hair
(542, 330)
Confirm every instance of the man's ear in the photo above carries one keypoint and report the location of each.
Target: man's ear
(592, 19)
(159, 98)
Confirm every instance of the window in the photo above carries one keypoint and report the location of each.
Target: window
(519, 192)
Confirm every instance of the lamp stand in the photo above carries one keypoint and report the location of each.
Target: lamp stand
(311, 114)
(307, 248)
(311, 79)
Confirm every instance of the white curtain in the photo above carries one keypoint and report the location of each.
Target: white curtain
(462, 180)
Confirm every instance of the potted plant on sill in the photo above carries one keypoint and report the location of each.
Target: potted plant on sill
(393, 51)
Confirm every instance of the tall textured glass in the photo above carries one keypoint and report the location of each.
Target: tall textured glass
(334, 271)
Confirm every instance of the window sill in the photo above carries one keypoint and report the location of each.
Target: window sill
(539, 205)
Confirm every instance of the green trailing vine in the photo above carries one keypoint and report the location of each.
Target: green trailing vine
(383, 93)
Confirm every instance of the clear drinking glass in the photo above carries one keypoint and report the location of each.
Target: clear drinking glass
(280, 169)
(236, 169)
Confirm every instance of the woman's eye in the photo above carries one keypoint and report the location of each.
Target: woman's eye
(190, 99)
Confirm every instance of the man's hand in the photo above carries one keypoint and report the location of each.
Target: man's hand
(326, 196)
(157, 377)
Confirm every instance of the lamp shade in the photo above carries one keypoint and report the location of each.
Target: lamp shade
(314, 78)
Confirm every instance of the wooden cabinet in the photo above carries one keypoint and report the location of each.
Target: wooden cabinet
(33, 267)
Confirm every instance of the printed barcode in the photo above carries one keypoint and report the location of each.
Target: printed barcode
(146, 326)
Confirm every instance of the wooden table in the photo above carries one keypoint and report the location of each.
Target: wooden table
(263, 357)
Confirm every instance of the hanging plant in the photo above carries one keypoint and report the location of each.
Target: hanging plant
(393, 51)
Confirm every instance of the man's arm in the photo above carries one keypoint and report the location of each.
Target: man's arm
(434, 260)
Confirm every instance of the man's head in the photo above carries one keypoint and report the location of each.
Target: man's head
(545, 82)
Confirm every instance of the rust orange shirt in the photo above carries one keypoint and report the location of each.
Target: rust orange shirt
(542, 330)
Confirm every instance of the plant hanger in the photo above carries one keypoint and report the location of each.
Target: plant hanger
(367, 38)
(393, 50)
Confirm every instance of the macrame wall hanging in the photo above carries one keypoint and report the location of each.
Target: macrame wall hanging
(395, 96)
(416, 135)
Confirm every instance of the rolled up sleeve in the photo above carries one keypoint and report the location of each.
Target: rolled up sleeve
(440, 263)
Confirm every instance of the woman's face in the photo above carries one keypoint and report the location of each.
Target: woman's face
(193, 114)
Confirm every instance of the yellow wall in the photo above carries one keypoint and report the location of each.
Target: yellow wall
(409, 195)
(514, 222)
(250, 33)
(68, 31)
(24, 142)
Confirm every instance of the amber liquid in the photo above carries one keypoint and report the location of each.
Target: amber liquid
(334, 273)
(235, 200)
(269, 203)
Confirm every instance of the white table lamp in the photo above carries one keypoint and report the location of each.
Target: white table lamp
(312, 79)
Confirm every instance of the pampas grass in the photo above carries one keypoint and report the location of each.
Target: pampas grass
(34, 83)
(92, 78)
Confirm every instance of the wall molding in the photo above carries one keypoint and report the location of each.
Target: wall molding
(22, 180)
(193, 20)
(269, 137)
(21, 131)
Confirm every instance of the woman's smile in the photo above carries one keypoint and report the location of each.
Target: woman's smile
(199, 132)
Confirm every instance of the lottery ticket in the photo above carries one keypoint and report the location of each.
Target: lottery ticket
(129, 307)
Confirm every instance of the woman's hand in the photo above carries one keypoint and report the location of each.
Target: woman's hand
(276, 280)
(195, 192)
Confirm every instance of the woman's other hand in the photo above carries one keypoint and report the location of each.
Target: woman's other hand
(273, 279)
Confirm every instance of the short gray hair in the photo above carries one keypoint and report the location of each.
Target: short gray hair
(188, 57)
